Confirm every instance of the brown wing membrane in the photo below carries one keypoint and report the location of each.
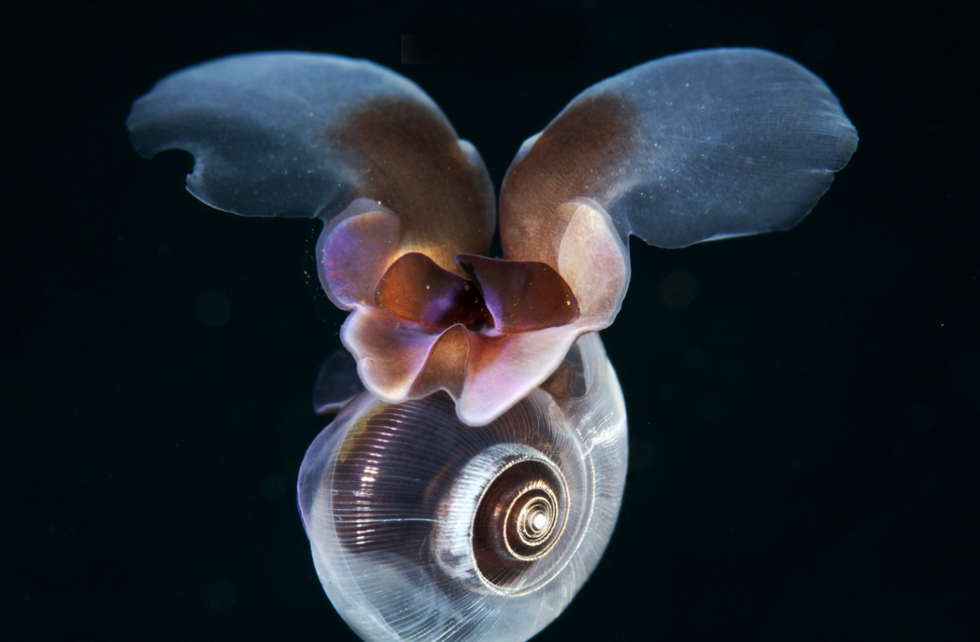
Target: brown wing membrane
(578, 155)
(304, 135)
(408, 159)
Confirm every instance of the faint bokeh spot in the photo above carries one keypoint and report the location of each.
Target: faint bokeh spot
(73, 317)
(971, 390)
(88, 464)
(36, 617)
(221, 596)
(149, 381)
(241, 410)
(640, 455)
(15, 406)
(964, 544)
(819, 45)
(920, 417)
(710, 407)
(678, 289)
(759, 31)
(273, 487)
(58, 559)
(213, 309)
(694, 357)
(901, 448)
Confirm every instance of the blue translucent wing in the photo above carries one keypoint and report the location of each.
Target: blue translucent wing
(688, 148)
(295, 134)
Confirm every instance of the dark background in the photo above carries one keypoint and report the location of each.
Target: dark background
(804, 432)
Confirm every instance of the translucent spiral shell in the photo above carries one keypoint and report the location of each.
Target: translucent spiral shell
(424, 528)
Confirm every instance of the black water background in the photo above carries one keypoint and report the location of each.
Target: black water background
(804, 432)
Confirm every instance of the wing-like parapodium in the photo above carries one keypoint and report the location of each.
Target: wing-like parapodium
(303, 135)
(693, 147)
